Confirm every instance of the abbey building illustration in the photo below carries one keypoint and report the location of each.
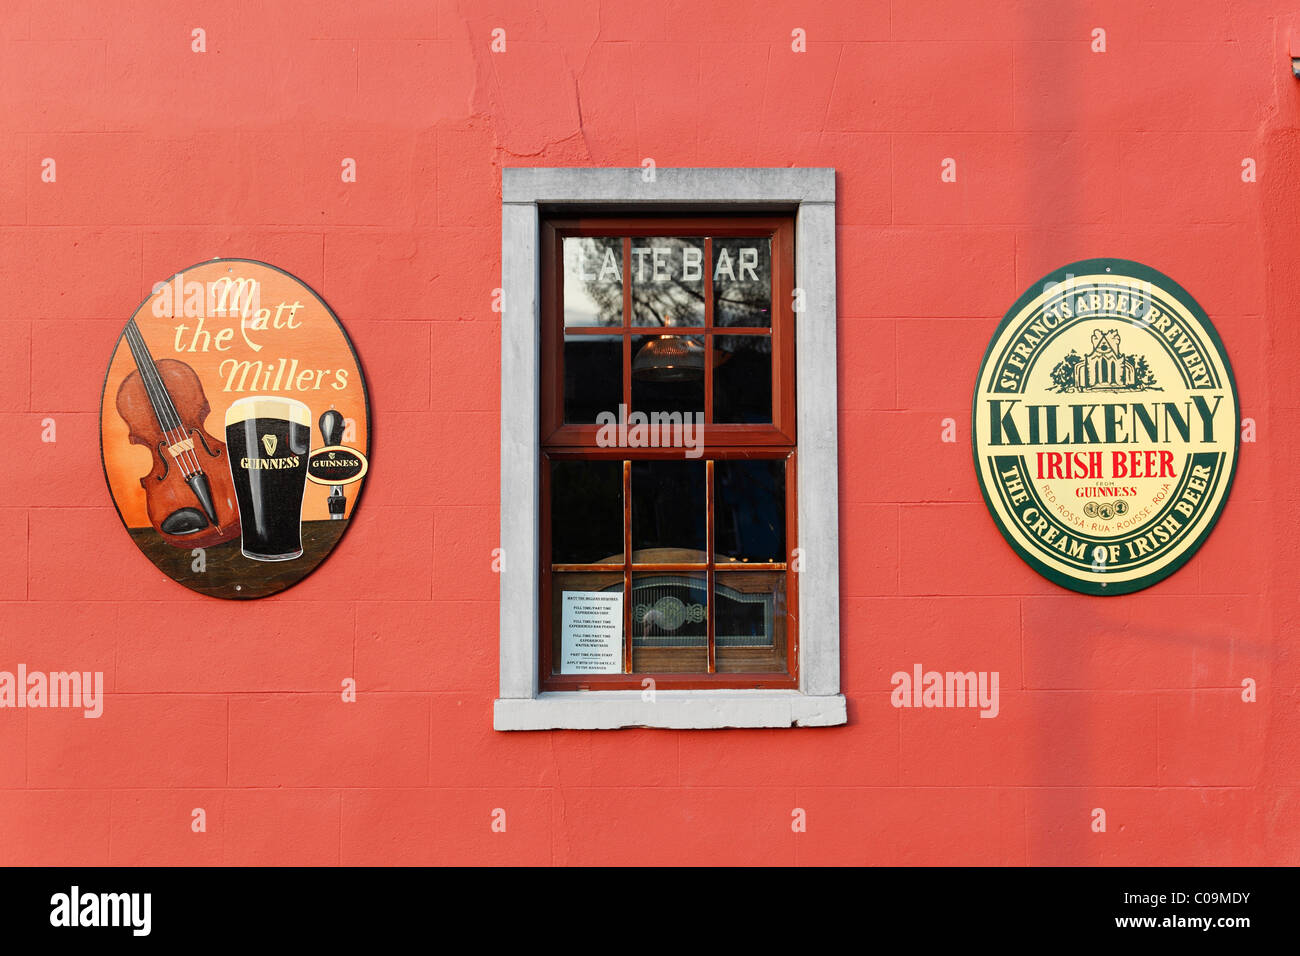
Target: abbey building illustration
(1106, 366)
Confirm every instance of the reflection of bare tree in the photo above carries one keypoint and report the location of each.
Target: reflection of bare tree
(607, 293)
(673, 301)
(745, 300)
(667, 303)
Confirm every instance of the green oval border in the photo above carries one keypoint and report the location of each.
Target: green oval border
(1132, 270)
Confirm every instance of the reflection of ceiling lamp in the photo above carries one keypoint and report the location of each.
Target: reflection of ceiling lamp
(669, 358)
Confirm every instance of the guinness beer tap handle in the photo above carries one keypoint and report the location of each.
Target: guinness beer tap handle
(331, 427)
(331, 430)
(337, 503)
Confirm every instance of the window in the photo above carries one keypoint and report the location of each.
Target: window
(668, 453)
(665, 449)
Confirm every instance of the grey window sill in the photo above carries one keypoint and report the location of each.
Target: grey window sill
(682, 709)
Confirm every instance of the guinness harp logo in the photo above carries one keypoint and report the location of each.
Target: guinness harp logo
(1105, 426)
(268, 442)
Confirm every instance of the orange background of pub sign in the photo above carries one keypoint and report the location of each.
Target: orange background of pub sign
(323, 354)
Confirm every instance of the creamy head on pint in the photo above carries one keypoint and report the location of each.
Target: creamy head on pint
(268, 406)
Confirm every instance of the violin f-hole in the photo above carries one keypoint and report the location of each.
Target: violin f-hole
(162, 456)
(199, 435)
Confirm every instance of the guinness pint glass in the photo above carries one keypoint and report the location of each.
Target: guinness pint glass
(267, 440)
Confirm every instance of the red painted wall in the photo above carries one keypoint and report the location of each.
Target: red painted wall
(165, 157)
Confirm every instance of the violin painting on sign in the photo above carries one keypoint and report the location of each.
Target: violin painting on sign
(234, 428)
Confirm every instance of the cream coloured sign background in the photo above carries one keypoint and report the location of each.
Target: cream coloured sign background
(1105, 426)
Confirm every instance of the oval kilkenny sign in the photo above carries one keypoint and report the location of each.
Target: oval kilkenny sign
(1105, 426)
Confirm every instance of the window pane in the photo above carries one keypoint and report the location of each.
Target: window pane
(586, 623)
(593, 376)
(667, 282)
(742, 379)
(586, 512)
(669, 512)
(749, 510)
(742, 282)
(593, 281)
(749, 625)
(668, 373)
(670, 622)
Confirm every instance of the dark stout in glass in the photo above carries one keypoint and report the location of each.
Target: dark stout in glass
(267, 440)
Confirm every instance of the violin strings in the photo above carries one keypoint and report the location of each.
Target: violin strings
(135, 342)
(145, 366)
(179, 426)
(157, 392)
(188, 460)
(153, 385)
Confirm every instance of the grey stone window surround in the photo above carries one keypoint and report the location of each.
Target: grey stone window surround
(526, 193)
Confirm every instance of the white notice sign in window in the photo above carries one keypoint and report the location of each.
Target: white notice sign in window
(591, 635)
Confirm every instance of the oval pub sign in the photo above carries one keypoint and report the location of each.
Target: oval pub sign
(1105, 426)
(234, 427)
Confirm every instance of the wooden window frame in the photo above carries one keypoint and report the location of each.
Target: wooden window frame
(780, 229)
(722, 442)
(528, 196)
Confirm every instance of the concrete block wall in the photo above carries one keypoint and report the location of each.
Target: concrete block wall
(165, 156)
